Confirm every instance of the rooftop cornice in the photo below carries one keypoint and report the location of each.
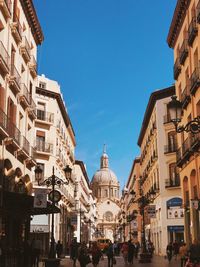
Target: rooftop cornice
(61, 105)
(31, 16)
(157, 95)
(177, 21)
(82, 166)
(135, 161)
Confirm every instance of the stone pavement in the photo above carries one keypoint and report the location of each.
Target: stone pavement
(157, 261)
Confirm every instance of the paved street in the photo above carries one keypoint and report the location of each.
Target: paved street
(156, 261)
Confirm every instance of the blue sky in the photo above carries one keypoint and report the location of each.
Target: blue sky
(108, 56)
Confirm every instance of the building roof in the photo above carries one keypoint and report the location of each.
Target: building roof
(157, 95)
(31, 16)
(177, 21)
(83, 169)
(136, 160)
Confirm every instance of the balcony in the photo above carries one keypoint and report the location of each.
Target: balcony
(25, 145)
(9, 132)
(43, 147)
(192, 31)
(195, 142)
(184, 152)
(183, 52)
(33, 67)
(16, 30)
(185, 96)
(198, 12)
(32, 109)
(44, 116)
(177, 69)
(3, 124)
(194, 81)
(25, 49)
(4, 60)
(14, 79)
(25, 96)
(5, 7)
(170, 148)
(173, 182)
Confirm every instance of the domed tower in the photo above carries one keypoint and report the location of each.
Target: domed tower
(105, 187)
(104, 183)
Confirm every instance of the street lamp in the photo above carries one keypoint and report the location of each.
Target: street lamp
(54, 197)
(175, 111)
(144, 201)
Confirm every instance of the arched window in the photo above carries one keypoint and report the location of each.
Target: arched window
(108, 216)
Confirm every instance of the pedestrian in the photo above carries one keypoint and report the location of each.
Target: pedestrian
(83, 255)
(169, 251)
(110, 254)
(59, 249)
(137, 247)
(175, 249)
(96, 254)
(74, 251)
(36, 247)
(183, 254)
(124, 251)
(115, 247)
(194, 252)
(131, 250)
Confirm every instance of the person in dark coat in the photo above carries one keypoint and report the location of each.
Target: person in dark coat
(74, 251)
(83, 255)
(131, 250)
(110, 254)
(96, 254)
(59, 249)
(194, 252)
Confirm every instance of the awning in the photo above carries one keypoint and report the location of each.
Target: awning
(175, 228)
(15, 204)
(48, 210)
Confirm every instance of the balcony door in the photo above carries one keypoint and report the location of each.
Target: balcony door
(172, 141)
(172, 173)
(40, 141)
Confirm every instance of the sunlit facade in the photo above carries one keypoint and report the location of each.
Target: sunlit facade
(184, 38)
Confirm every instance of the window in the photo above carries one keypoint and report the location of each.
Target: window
(42, 166)
(108, 216)
(42, 85)
(172, 171)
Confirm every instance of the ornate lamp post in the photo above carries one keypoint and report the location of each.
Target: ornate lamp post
(144, 201)
(175, 111)
(54, 197)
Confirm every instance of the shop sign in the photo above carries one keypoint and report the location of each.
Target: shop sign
(151, 210)
(40, 198)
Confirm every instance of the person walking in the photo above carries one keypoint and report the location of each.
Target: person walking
(124, 251)
(183, 254)
(110, 254)
(169, 251)
(96, 254)
(36, 248)
(194, 252)
(131, 250)
(59, 249)
(74, 251)
(83, 255)
(137, 247)
(176, 249)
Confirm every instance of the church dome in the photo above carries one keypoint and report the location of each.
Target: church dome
(104, 175)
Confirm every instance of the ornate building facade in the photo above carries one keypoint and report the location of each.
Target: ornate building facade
(105, 187)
